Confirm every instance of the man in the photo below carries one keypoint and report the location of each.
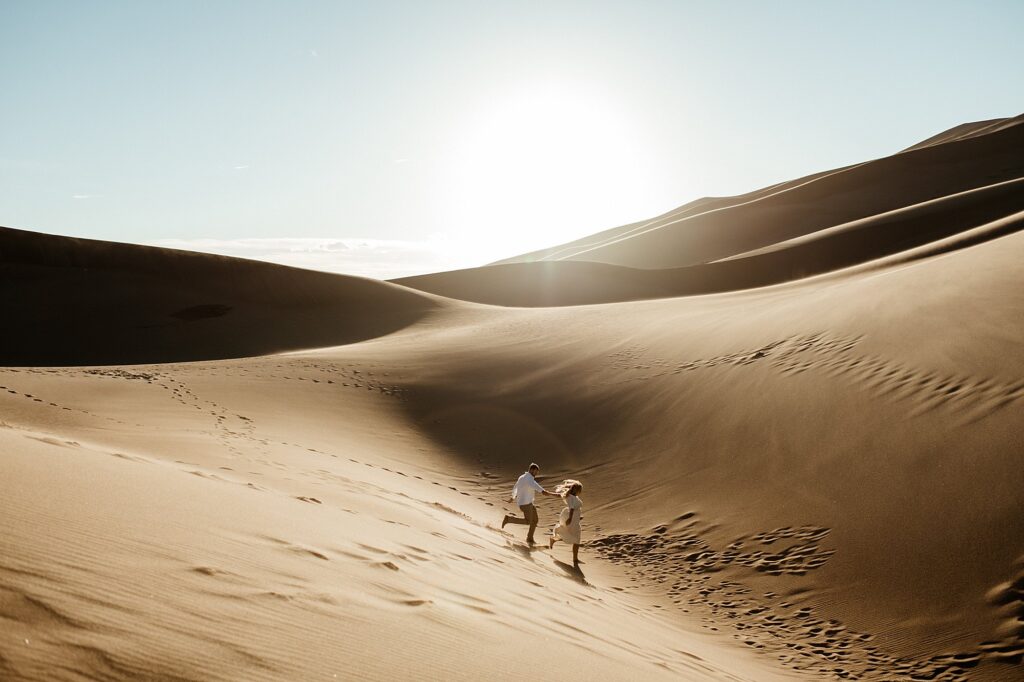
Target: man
(523, 492)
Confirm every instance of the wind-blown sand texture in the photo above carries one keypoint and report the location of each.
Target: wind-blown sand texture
(302, 476)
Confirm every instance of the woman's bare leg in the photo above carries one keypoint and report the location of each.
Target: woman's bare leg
(575, 554)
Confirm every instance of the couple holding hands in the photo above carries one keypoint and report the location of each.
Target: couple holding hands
(568, 528)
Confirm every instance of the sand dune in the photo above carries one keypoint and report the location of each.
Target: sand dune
(280, 518)
(966, 130)
(722, 228)
(123, 303)
(953, 182)
(817, 479)
(559, 283)
(693, 208)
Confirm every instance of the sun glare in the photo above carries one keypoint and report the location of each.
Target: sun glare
(541, 166)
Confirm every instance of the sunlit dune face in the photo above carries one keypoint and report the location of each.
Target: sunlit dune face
(542, 166)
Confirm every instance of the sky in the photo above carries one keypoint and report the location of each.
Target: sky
(391, 138)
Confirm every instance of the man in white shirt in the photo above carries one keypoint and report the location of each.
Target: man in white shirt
(523, 492)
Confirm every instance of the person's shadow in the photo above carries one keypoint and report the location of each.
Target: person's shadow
(525, 550)
(573, 572)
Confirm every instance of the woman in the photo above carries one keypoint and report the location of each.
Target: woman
(568, 528)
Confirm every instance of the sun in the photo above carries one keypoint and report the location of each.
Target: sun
(542, 165)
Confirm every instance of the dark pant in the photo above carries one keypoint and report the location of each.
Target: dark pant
(530, 518)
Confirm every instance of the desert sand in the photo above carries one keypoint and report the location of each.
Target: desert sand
(798, 416)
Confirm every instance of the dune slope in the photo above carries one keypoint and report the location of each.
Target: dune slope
(561, 283)
(817, 479)
(951, 183)
(721, 228)
(831, 466)
(282, 518)
(814, 474)
(78, 302)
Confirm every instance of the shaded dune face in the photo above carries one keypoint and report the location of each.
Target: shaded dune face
(84, 302)
(831, 468)
(955, 182)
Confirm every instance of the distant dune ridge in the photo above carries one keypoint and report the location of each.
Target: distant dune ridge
(122, 303)
(883, 206)
(806, 467)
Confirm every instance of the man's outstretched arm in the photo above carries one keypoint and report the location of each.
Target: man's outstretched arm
(539, 488)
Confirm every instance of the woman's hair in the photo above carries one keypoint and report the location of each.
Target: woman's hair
(567, 485)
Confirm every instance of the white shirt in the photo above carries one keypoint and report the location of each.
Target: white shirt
(525, 489)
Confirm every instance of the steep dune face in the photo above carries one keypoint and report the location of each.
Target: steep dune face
(84, 302)
(994, 154)
(985, 213)
(696, 207)
(832, 466)
(952, 183)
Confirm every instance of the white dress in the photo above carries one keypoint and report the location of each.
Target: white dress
(570, 532)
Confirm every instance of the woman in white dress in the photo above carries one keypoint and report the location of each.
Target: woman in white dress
(568, 528)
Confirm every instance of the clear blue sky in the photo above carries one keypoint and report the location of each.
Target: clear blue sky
(349, 135)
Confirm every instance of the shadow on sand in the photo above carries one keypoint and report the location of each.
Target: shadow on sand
(573, 572)
(523, 549)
